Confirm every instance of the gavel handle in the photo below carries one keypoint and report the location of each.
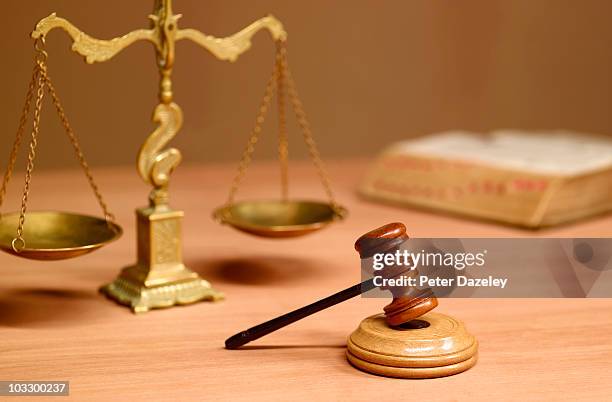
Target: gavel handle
(256, 332)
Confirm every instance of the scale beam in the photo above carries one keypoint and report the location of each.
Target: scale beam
(231, 47)
(99, 50)
(92, 49)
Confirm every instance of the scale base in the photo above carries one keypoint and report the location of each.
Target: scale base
(159, 278)
(142, 298)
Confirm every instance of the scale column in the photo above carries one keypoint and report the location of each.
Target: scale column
(159, 278)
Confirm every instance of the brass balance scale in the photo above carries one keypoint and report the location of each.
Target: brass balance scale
(159, 278)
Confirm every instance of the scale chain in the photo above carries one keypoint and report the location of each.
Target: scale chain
(283, 143)
(77, 148)
(18, 242)
(246, 158)
(302, 121)
(25, 112)
(282, 79)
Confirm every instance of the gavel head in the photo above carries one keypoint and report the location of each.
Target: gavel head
(408, 303)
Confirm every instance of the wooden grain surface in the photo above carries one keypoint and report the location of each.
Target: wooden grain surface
(55, 326)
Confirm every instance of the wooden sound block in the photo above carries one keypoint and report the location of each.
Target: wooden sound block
(434, 345)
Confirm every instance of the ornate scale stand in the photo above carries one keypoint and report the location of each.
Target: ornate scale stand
(159, 278)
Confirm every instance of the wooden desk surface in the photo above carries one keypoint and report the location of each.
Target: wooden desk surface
(55, 326)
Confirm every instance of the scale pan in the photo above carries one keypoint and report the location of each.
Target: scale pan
(279, 218)
(53, 235)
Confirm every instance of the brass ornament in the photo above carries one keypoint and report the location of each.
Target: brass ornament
(158, 278)
(100, 50)
(154, 164)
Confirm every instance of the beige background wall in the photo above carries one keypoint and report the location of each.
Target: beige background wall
(369, 72)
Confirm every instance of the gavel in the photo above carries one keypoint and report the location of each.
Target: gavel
(407, 305)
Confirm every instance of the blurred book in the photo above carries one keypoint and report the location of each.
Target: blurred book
(530, 179)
